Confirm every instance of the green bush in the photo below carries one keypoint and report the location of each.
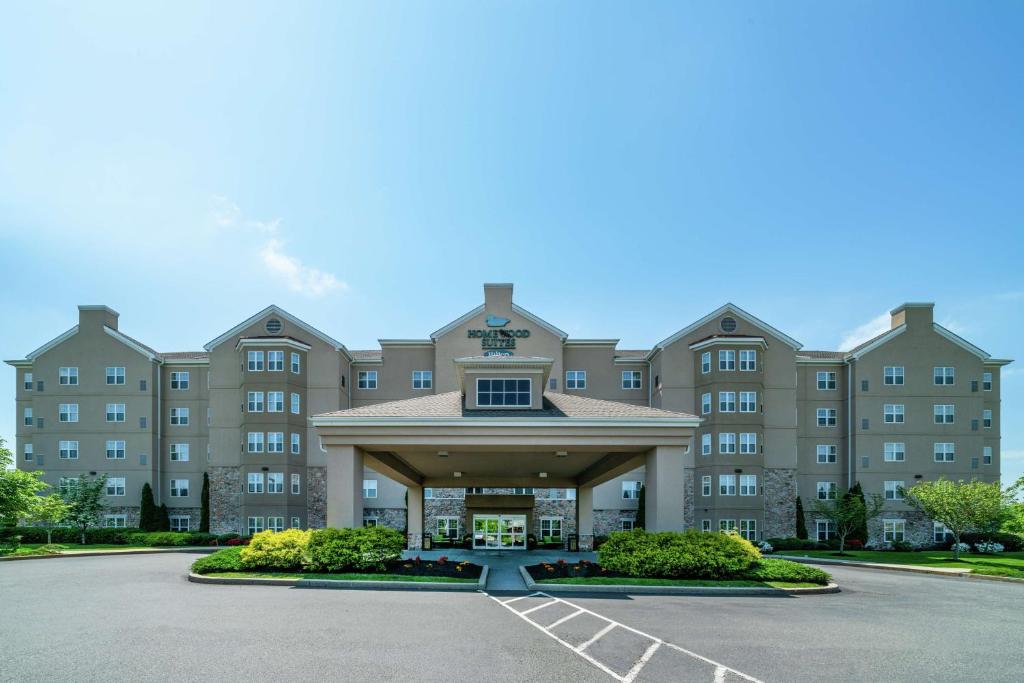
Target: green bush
(677, 555)
(226, 560)
(768, 569)
(277, 550)
(364, 549)
(160, 538)
(37, 534)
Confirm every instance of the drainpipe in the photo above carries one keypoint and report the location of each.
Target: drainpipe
(849, 425)
(157, 452)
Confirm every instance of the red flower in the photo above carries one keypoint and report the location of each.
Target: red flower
(442, 559)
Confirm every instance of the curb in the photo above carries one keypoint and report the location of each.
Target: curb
(952, 572)
(346, 585)
(115, 553)
(671, 590)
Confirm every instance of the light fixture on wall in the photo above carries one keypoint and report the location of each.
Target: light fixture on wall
(442, 454)
(543, 475)
(561, 454)
(457, 474)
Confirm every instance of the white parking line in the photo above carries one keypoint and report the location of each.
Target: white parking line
(720, 670)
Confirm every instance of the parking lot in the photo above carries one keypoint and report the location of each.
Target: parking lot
(137, 618)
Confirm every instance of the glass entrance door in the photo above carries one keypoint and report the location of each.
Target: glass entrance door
(499, 532)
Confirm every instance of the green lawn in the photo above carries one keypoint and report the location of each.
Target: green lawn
(1003, 564)
(72, 548)
(340, 577)
(627, 581)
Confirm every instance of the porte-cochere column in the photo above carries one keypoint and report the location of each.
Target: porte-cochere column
(344, 487)
(664, 486)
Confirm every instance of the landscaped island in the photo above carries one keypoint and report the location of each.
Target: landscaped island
(688, 558)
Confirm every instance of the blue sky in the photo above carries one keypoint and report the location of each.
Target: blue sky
(629, 166)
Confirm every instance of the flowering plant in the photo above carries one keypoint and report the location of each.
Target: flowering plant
(765, 547)
(960, 547)
(989, 548)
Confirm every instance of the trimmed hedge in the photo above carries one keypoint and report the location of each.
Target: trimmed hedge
(768, 569)
(226, 560)
(171, 538)
(359, 550)
(791, 543)
(678, 555)
(67, 535)
(277, 550)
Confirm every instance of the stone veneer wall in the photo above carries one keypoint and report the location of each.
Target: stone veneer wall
(393, 518)
(918, 528)
(131, 515)
(225, 499)
(449, 502)
(688, 507)
(607, 521)
(193, 516)
(316, 497)
(779, 503)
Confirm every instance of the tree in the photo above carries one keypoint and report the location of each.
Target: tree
(861, 532)
(204, 505)
(163, 519)
(49, 511)
(801, 523)
(147, 510)
(961, 506)
(84, 499)
(18, 489)
(641, 508)
(848, 513)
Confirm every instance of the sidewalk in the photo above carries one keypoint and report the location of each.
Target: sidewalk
(503, 564)
(71, 552)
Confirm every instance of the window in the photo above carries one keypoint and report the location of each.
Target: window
(825, 530)
(275, 482)
(296, 364)
(115, 521)
(727, 401)
(68, 450)
(893, 374)
(179, 488)
(65, 484)
(748, 401)
(255, 442)
(986, 381)
(705, 362)
(503, 392)
(275, 401)
(369, 488)
(705, 444)
(748, 529)
(367, 379)
(275, 361)
(626, 525)
(986, 419)
(726, 443)
(748, 361)
(67, 376)
(255, 482)
(474, 490)
(726, 360)
(296, 484)
(296, 406)
(631, 490)
(892, 490)
(827, 490)
(370, 522)
(448, 527)
(296, 444)
(826, 381)
(296, 523)
(940, 534)
(179, 416)
(943, 414)
(826, 417)
(275, 523)
(422, 379)
(944, 452)
(115, 486)
(179, 452)
(726, 525)
(893, 413)
(115, 412)
(705, 525)
(68, 412)
(986, 454)
(705, 403)
(748, 484)
(748, 443)
(255, 401)
(551, 527)
(180, 522)
(255, 362)
(944, 376)
(179, 381)
(115, 375)
(27, 417)
(28, 454)
(275, 442)
(893, 530)
(895, 451)
(522, 491)
(563, 494)
(631, 379)
(575, 379)
(727, 484)
(826, 453)
(255, 525)
(705, 485)
(27, 379)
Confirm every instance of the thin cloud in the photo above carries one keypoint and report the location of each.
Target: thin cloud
(954, 326)
(862, 333)
(227, 215)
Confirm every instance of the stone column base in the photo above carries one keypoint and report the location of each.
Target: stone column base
(586, 543)
(415, 541)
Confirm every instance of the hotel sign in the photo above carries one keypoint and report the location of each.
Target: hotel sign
(496, 337)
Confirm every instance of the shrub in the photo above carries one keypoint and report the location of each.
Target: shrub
(677, 555)
(855, 544)
(764, 547)
(161, 538)
(769, 569)
(1011, 542)
(224, 538)
(226, 560)
(278, 550)
(363, 549)
(237, 541)
(37, 534)
(900, 547)
(990, 548)
(790, 543)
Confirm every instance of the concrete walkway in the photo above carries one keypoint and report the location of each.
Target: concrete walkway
(504, 564)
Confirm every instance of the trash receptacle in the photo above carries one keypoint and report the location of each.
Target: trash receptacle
(427, 542)
(574, 543)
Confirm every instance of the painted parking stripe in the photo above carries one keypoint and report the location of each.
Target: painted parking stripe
(565, 618)
(541, 606)
(597, 636)
(640, 663)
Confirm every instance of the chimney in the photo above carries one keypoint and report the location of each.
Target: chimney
(498, 298)
(913, 315)
(95, 316)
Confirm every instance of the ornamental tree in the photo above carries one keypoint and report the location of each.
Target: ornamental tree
(147, 510)
(801, 523)
(848, 513)
(962, 506)
(641, 508)
(204, 505)
(18, 489)
(49, 511)
(84, 499)
(861, 532)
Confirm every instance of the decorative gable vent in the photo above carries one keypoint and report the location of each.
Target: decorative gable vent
(273, 326)
(728, 325)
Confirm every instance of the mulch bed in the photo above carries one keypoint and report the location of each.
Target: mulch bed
(439, 567)
(563, 569)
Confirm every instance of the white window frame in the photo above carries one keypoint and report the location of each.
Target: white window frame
(296, 363)
(275, 442)
(631, 489)
(986, 418)
(627, 524)
(944, 376)
(986, 381)
(28, 384)
(826, 417)
(894, 375)
(705, 526)
(726, 360)
(726, 525)
(295, 447)
(296, 403)
(275, 401)
(826, 454)
(726, 443)
(181, 380)
(830, 489)
(705, 444)
(178, 452)
(296, 522)
(254, 361)
(67, 412)
(891, 489)
(67, 450)
(748, 401)
(748, 529)
(705, 485)
(727, 484)
(296, 479)
(179, 417)
(727, 401)
(115, 486)
(824, 529)
(275, 482)
(894, 413)
(944, 452)
(115, 412)
(748, 484)
(114, 375)
(366, 380)
(944, 413)
(553, 524)
(575, 379)
(705, 362)
(254, 482)
(370, 489)
(275, 361)
(27, 454)
(275, 523)
(180, 488)
(826, 380)
(180, 522)
(940, 532)
(504, 393)
(422, 379)
(632, 380)
(705, 403)
(748, 360)
(254, 525)
(255, 401)
(443, 526)
(255, 442)
(894, 451)
(26, 418)
(67, 376)
(748, 443)
(891, 528)
(115, 521)
(986, 455)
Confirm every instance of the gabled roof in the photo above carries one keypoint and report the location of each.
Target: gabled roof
(53, 342)
(518, 310)
(281, 313)
(727, 308)
(133, 344)
(961, 342)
